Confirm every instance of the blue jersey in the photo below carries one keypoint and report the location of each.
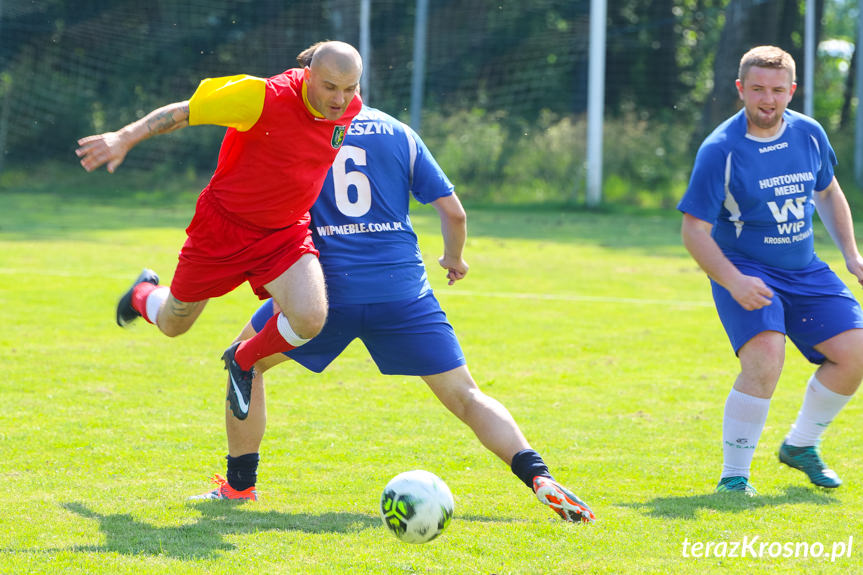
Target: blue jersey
(758, 192)
(360, 222)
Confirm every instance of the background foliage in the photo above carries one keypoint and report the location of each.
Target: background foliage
(505, 86)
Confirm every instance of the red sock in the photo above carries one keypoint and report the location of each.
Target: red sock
(139, 298)
(266, 342)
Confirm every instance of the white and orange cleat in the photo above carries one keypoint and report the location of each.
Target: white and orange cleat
(225, 491)
(561, 500)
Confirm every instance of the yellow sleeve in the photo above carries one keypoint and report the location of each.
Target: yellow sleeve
(232, 101)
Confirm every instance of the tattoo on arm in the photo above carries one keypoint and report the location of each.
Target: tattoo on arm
(160, 122)
(167, 119)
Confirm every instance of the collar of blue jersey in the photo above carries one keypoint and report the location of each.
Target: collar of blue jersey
(745, 126)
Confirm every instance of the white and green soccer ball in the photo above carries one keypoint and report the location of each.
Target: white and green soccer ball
(416, 506)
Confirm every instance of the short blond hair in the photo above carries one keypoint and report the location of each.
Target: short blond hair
(767, 57)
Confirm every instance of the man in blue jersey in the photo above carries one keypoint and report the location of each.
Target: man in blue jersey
(379, 292)
(747, 221)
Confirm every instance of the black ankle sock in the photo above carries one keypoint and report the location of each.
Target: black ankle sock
(243, 471)
(527, 464)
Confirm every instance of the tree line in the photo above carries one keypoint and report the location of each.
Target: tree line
(69, 69)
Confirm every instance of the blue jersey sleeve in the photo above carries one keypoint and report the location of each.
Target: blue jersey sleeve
(706, 191)
(828, 158)
(428, 180)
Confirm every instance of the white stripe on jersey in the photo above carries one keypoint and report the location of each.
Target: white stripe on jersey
(412, 148)
(730, 203)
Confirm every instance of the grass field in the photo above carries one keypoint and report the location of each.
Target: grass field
(595, 329)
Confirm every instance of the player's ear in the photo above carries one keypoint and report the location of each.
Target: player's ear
(307, 73)
(793, 89)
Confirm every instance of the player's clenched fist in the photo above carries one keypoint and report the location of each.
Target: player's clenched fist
(751, 293)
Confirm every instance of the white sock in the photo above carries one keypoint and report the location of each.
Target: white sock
(288, 332)
(741, 428)
(820, 406)
(155, 299)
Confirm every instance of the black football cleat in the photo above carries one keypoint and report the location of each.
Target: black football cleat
(240, 388)
(126, 314)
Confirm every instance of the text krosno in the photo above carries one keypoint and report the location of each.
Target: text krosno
(756, 548)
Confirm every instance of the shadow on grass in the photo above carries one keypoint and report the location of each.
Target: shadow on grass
(687, 507)
(206, 536)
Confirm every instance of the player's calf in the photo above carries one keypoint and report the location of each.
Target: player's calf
(240, 384)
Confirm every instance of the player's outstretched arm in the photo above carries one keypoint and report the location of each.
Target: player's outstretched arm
(832, 206)
(453, 226)
(749, 291)
(110, 149)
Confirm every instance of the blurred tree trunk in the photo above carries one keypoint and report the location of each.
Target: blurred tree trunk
(641, 55)
(723, 100)
(748, 23)
(661, 57)
(845, 118)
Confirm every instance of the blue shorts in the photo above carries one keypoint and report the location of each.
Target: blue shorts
(809, 305)
(407, 337)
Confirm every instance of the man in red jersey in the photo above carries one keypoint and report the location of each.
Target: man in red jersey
(251, 221)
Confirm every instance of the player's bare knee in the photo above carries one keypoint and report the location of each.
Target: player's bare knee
(855, 352)
(762, 358)
(846, 351)
(469, 400)
(308, 323)
(852, 363)
(759, 378)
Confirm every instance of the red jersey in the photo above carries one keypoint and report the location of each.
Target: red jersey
(269, 174)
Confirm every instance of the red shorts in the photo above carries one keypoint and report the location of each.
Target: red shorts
(221, 252)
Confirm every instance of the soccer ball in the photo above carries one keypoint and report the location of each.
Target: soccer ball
(416, 506)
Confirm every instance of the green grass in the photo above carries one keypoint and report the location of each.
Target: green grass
(595, 329)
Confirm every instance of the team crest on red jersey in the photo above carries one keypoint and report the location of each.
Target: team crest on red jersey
(338, 137)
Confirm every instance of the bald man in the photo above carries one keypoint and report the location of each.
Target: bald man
(251, 221)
